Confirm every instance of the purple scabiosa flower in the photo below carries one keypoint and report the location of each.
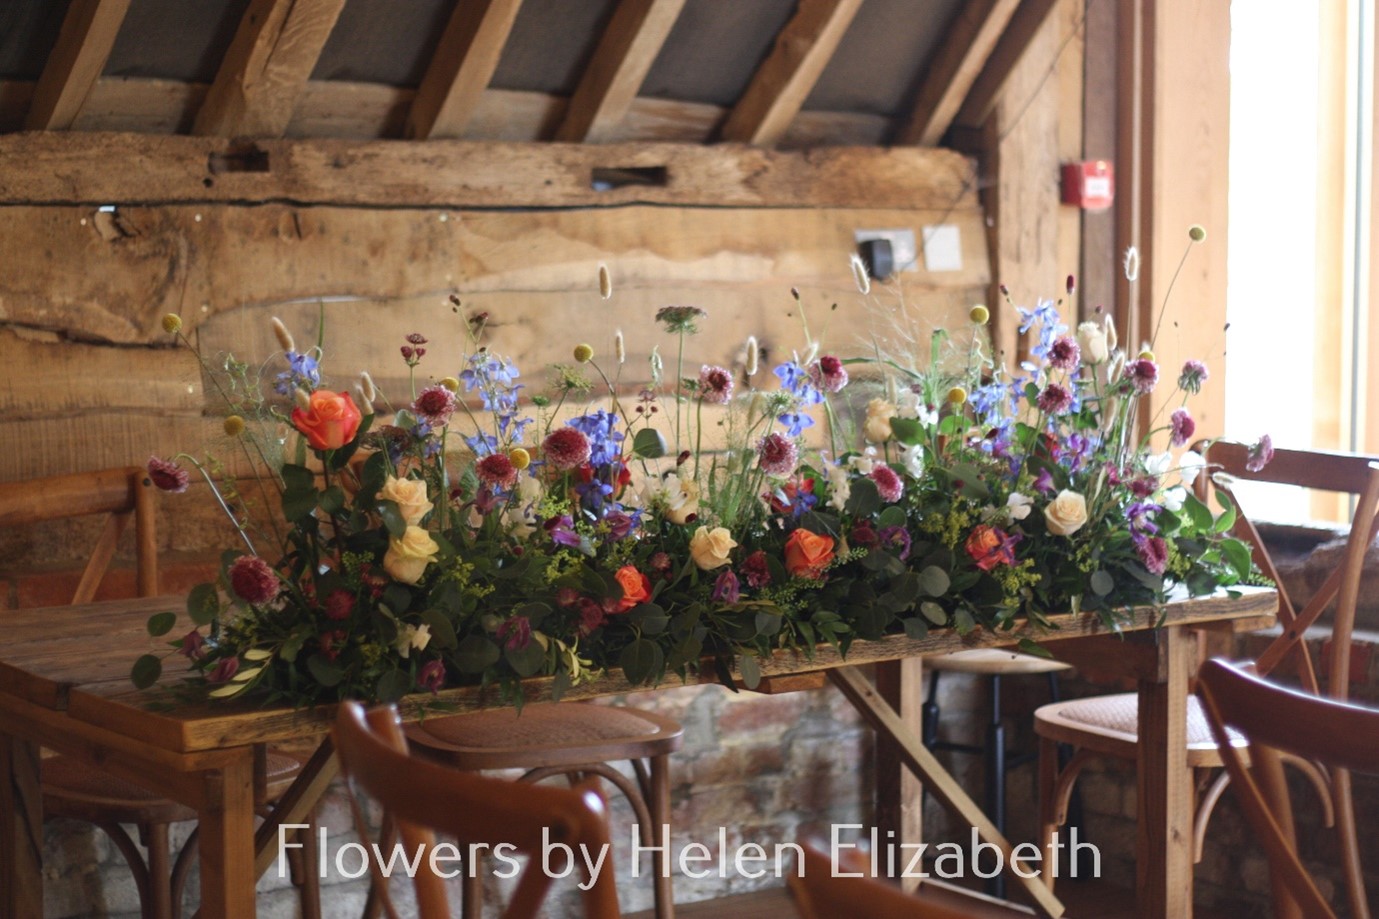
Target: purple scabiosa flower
(1193, 375)
(1064, 353)
(167, 475)
(192, 645)
(1143, 486)
(777, 455)
(1153, 552)
(1182, 426)
(756, 570)
(889, 485)
(715, 385)
(828, 374)
(515, 633)
(434, 405)
(253, 580)
(1055, 399)
(1260, 454)
(897, 537)
(431, 676)
(224, 670)
(1143, 374)
(566, 448)
(727, 589)
(496, 470)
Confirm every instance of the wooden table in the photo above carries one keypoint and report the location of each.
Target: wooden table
(64, 685)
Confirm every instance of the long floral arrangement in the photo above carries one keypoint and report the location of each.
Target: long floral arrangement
(477, 533)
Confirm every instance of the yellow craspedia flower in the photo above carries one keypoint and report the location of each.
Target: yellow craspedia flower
(957, 395)
(519, 458)
(979, 314)
(1196, 232)
(172, 323)
(234, 425)
(451, 383)
(1146, 355)
(583, 354)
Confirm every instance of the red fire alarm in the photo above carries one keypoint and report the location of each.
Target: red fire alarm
(1090, 185)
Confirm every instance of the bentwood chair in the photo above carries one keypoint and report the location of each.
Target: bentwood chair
(1108, 725)
(71, 788)
(420, 796)
(572, 739)
(1276, 720)
(832, 885)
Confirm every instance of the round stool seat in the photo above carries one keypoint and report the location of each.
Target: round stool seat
(1111, 725)
(76, 790)
(993, 662)
(546, 734)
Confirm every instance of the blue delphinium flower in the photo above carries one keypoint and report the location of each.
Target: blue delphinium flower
(303, 371)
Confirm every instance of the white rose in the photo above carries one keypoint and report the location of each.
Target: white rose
(410, 497)
(1066, 513)
(710, 548)
(1190, 466)
(1018, 505)
(877, 427)
(1091, 338)
(409, 554)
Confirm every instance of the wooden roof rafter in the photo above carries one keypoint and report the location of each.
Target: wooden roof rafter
(963, 54)
(461, 68)
(990, 86)
(784, 80)
(75, 63)
(625, 53)
(266, 68)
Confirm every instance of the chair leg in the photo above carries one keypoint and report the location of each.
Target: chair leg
(310, 878)
(658, 802)
(1048, 819)
(996, 777)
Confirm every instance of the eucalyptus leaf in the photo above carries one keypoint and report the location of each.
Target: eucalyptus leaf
(641, 661)
(649, 443)
(933, 612)
(1102, 582)
(146, 671)
(907, 431)
(161, 623)
(203, 604)
(393, 685)
(324, 671)
(934, 581)
(527, 660)
(332, 500)
(475, 654)
(1028, 646)
(750, 670)
(393, 520)
(915, 628)
(442, 632)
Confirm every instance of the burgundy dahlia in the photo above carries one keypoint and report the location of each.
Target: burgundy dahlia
(566, 448)
(167, 475)
(253, 580)
(888, 484)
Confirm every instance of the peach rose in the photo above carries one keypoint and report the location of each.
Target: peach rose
(330, 421)
(710, 548)
(808, 554)
(410, 497)
(1066, 513)
(636, 587)
(877, 427)
(409, 554)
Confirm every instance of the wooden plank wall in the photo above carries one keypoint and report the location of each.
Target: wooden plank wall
(91, 379)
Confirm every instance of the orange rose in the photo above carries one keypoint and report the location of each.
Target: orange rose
(331, 421)
(990, 547)
(808, 554)
(636, 587)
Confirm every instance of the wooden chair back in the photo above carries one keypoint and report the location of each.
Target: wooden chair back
(1278, 720)
(1312, 469)
(120, 494)
(422, 797)
(829, 884)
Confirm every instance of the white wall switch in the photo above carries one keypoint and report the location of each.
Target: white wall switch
(942, 248)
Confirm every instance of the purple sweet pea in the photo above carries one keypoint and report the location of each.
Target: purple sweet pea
(431, 676)
(727, 589)
(192, 645)
(224, 670)
(562, 530)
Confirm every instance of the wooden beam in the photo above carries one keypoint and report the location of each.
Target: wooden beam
(158, 169)
(988, 89)
(461, 68)
(624, 55)
(961, 57)
(784, 80)
(266, 68)
(75, 63)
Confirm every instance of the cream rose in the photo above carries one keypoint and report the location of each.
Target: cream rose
(710, 548)
(410, 497)
(1066, 513)
(877, 427)
(682, 499)
(409, 554)
(1091, 338)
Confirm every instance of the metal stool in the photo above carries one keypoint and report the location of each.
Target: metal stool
(993, 663)
(573, 739)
